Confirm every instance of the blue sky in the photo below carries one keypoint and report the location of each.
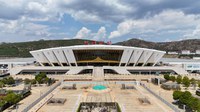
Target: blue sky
(105, 20)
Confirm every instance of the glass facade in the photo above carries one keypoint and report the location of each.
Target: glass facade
(98, 57)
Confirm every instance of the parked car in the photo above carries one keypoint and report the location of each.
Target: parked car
(198, 92)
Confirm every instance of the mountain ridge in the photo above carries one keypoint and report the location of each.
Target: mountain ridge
(189, 44)
(21, 49)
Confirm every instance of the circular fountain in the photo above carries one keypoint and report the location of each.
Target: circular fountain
(99, 89)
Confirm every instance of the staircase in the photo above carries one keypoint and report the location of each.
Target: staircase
(121, 70)
(98, 74)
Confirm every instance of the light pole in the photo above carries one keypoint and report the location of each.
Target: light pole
(17, 107)
(40, 93)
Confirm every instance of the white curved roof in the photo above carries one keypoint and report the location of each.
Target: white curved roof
(132, 55)
(97, 47)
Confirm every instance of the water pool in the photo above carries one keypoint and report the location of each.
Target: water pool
(99, 87)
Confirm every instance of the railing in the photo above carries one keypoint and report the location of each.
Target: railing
(77, 103)
(40, 98)
(161, 99)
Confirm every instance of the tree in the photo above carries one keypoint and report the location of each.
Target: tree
(186, 81)
(46, 80)
(33, 81)
(10, 81)
(177, 94)
(12, 98)
(185, 97)
(40, 78)
(1, 84)
(51, 81)
(43, 75)
(199, 84)
(167, 77)
(179, 79)
(27, 81)
(2, 103)
(172, 78)
(194, 104)
(193, 82)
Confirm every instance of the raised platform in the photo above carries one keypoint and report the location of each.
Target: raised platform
(77, 69)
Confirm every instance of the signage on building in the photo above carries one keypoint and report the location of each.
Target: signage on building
(97, 42)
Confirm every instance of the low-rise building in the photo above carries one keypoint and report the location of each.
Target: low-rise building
(185, 52)
(197, 52)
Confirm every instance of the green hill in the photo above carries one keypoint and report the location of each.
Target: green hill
(22, 49)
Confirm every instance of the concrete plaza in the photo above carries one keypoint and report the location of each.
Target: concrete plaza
(127, 99)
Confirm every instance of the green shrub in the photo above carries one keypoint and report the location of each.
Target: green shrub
(8, 81)
(177, 95)
(42, 78)
(179, 79)
(12, 98)
(185, 97)
(27, 81)
(33, 81)
(186, 81)
(167, 77)
(172, 78)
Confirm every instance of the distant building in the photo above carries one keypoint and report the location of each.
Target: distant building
(197, 52)
(185, 52)
(173, 52)
(196, 58)
(190, 65)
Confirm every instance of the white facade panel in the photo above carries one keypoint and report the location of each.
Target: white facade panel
(154, 57)
(50, 56)
(126, 55)
(135, 56)
(145, 56)
(158, 57)
(138, 57)
(40, 57)
(70, 55)
(60, 55)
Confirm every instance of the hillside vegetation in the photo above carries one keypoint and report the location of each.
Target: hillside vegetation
(22, 49)
(192, 45)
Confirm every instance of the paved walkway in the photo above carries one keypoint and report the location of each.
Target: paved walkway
(35, 93)
(127, 99)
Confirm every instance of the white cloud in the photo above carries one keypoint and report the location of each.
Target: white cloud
(84, 16)
(96, 11)
(24, 30)
(139, 18)
(35, 6)
(83, 33)
(166, 21)
(117, 5)
(122, 29)
(101, 34)
(195, 34)
(152, 2)
(24, 27)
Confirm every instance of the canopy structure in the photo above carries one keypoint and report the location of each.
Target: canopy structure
(97, 59)
(97, 55)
